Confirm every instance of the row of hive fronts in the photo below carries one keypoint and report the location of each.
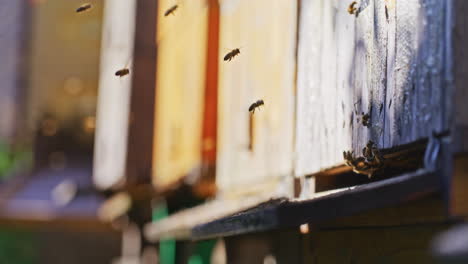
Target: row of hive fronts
(330, 81)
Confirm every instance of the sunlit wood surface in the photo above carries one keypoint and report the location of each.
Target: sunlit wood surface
(257, 151)
(114, 93)
(180, 82)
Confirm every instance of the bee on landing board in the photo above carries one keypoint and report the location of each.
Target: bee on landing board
(232, 54)
(171, 10)
(255, 105)
(122, 72)
(352, 9)
(84, 7)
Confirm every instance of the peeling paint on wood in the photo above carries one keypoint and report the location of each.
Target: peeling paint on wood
(387, 62)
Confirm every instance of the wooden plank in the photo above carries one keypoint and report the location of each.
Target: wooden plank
(180, 224)
(257, 152)
(207, 186)
(181, 65)
(142, 98)
(349, 53)
(418, 96)
(113, 107)
(283, 213)
(308, 86)
(391, 73)
(369, 73)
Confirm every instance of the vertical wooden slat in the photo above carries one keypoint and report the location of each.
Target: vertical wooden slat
(345, 32)
(379, 74)
(308, 86)
(210, 110)
(110, 152)
(370, 72)
(265, 32)
(181, 39)
(418, 97)
(389, 114)
(328, 89)
(349, 81)
(142, 97)
(211, 79)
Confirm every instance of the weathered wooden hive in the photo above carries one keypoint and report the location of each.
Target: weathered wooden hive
(363, 106)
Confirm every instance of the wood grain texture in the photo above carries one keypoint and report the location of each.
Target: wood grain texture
(418, 96)
(265, 32)
(113, 108)
(388, 61)
(180, 81)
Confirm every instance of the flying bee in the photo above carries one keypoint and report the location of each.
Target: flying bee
(122, 72)
(352, 9)
(256, 104)
(231, 54)
(84, 7)
(171, 10)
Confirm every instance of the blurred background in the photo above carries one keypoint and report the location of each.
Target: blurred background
(48, 100)
(165, 163)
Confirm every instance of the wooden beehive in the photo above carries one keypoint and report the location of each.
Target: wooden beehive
(387, 61)
(393, 73)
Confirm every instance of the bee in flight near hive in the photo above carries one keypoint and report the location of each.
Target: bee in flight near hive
(171, 10)
(255, 105)
(352, 9)
(122, 72)
(232, 54)
(84, 7)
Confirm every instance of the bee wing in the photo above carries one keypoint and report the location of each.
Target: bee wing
(129, 61)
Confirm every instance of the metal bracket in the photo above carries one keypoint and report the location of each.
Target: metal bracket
(431, 156)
